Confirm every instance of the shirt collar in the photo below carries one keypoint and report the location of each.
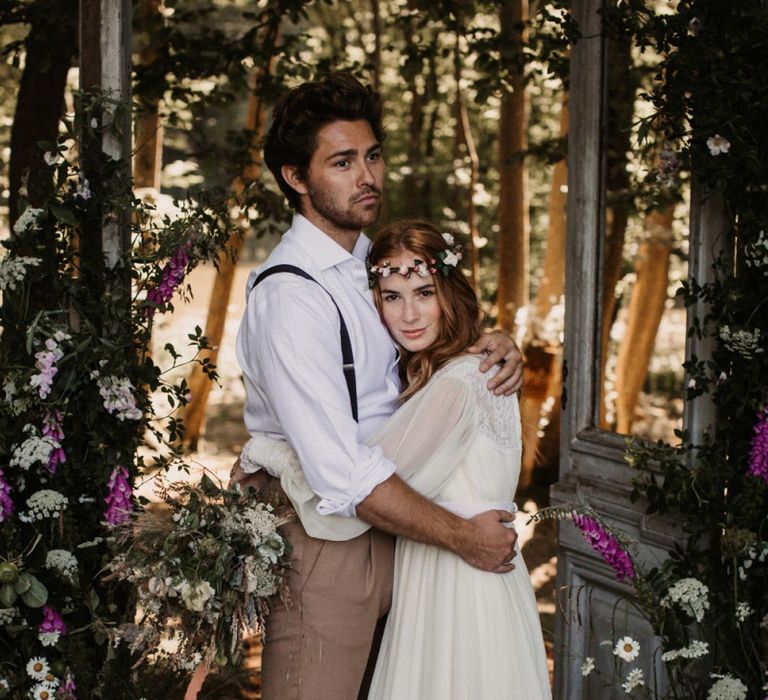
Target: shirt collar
(323, 250)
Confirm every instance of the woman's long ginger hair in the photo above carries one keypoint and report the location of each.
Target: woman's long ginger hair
(461, 318)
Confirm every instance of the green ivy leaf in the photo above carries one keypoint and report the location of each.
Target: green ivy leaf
(66, 216)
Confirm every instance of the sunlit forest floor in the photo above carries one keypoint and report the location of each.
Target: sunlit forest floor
(224, 434)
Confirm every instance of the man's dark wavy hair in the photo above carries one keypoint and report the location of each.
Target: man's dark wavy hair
(303, 111)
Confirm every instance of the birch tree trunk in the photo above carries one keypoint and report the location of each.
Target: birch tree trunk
(512, 243)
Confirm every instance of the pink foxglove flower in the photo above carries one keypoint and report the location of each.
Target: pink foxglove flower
(67, 689)
(45, 363)
(758, 453)
(52, 627)
(118, 499)
(53, 430)
(171, 278)
(606, 545)
(6, 503)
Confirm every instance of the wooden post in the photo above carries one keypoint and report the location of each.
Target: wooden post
(105, 64)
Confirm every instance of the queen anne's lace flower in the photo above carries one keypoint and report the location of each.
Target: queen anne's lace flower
(63, 563)
(28, 221)
(255, 522)
(14, 269)
(634, 680)
(33, 450)
(588, 666)
(117, 394)
(258, 578)
(727, 688)
(745, 343)
(8, 615)
(46, 503)
(691, 595)
(756, 253)
(694, 650)
(743, 611)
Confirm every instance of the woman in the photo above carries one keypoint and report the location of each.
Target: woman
(453, 632)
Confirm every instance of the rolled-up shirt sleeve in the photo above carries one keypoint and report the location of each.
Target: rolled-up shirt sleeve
(293, 344)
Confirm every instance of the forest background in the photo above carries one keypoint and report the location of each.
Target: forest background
(476, 118)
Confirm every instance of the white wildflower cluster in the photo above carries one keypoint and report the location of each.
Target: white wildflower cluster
(45, 503)
(14, 269)
(694, 650)
(745, 343)
(588, 666)
(691, 595)
(634, 680)
(63, 563)
(28, 221)
(757, 552)
(117, 395)
(756, 253)
(727, 688)
(258, 578)
(15, 401)
(35, 449)
(256, 522)
(743, 611)
(46, 364)
(8, 615)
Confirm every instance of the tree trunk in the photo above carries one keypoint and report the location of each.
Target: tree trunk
(552, 282)
(513, 241)
(646, 307)
(464, 130)
(544, 373)
(199, 383)
(148, 148)
(376, 57)
(50, 50)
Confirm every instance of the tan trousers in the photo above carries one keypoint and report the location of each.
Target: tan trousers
(318, 648)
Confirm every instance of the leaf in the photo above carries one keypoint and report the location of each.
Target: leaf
(36, 596)
(208, 487)
(23, 583)
(66, 216)
(7, 595)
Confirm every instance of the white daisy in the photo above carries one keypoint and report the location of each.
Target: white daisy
(627, 649)
(43, 691)
(38, 668)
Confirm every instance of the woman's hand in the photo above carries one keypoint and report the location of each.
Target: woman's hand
(501, 350)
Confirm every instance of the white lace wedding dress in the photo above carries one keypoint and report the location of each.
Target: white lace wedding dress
(454, 632)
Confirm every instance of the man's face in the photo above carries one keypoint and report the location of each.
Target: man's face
(344, 181)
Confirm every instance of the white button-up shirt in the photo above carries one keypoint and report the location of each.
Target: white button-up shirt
(289, 349)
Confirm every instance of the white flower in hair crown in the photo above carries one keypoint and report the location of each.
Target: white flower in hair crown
(445, 261)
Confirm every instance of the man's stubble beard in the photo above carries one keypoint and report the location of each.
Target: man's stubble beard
(343, 219)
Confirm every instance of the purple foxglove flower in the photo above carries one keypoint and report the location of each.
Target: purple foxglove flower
(52, 621)
(606, 545)
(52, 429)
(170, 279)
(67, 689)
(6, 503)
(118, 499)
(758, 453)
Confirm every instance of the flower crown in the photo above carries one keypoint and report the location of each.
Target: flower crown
(446, 261)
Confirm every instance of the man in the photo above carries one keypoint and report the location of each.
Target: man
(325, 150)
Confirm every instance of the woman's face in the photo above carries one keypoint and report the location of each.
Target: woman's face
(409, 306)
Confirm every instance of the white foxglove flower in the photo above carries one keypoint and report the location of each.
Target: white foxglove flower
(448, 238)
(451, 258)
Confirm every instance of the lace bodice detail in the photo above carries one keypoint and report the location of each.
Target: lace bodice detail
(498, 417)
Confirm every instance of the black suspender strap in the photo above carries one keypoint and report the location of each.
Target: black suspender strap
(347, 358)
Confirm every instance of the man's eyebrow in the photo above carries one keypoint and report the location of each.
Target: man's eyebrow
(353, 151)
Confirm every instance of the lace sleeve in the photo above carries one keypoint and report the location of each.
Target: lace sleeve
(428, 437)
